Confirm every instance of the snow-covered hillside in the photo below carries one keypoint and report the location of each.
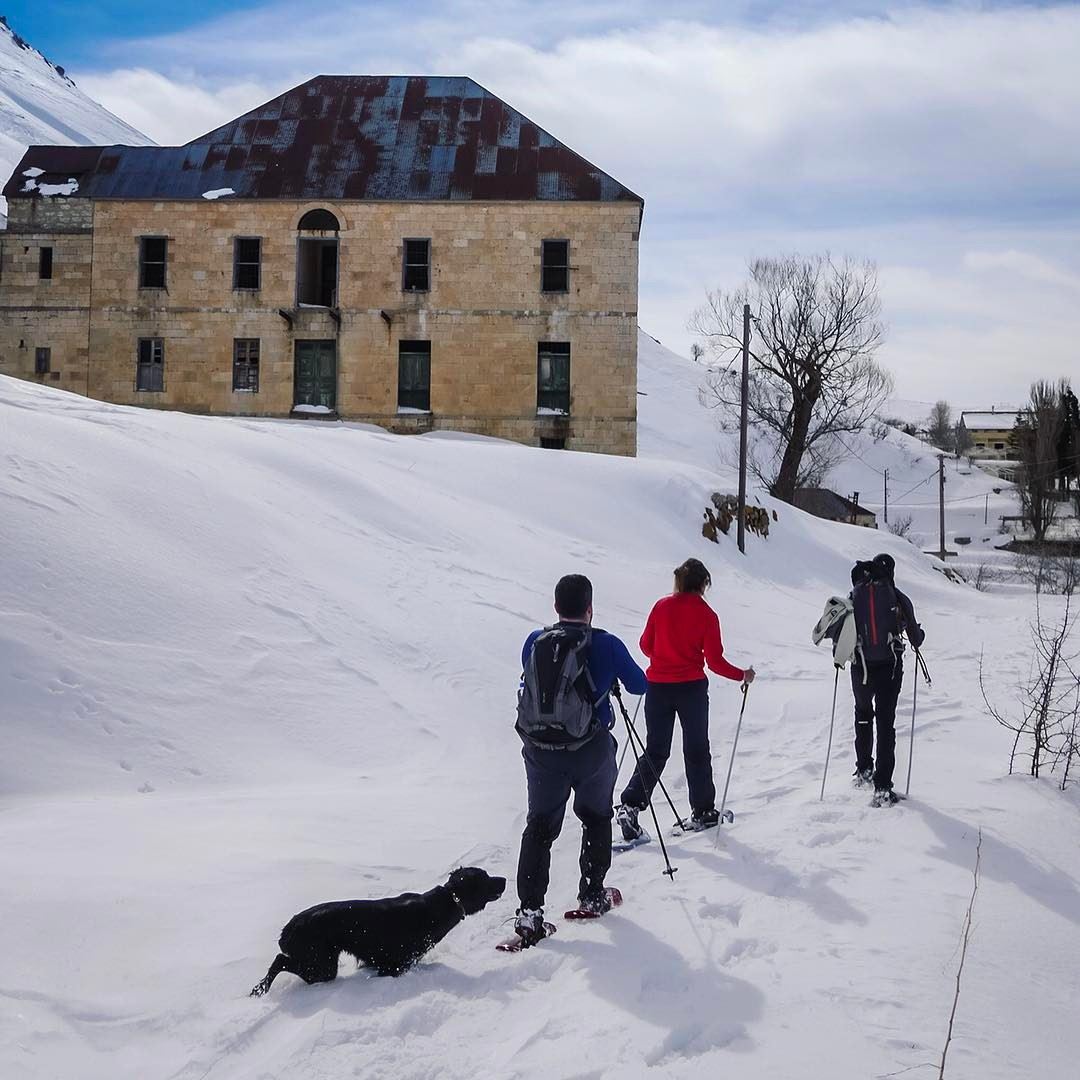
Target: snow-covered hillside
(248, 666)
(39, 103)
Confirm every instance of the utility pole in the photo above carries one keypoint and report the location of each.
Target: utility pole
(986, 510)
(855, 508)
(743, 423)
(941, 502)
(886, 496)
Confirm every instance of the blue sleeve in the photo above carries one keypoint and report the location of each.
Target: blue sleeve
(626, 669)
(527, 648)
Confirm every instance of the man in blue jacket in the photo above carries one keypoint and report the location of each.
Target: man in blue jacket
(580, 663)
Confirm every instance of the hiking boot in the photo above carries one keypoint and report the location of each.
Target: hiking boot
(705, 819)
(529, 926)
(862, 777)
(885, 797)
(626, 819)
(597, 903)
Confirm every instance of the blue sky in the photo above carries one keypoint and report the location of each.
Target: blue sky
(941, 140)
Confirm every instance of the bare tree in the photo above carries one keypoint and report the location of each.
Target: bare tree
(939, 427)
(813, 378)
(1048, 572)
(697, 351)
(1036, 436)
(1046, 727)
(901, 526)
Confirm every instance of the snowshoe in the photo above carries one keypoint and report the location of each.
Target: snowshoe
(700, 820)
(594, 907)
(862, 777)
(529, 929)
(885, 797)
(618, 847)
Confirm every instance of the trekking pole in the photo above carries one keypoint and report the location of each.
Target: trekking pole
(920, 667)
(832, 721)
(669, 869)
(633, 733)
(626, 745)
(727, 814)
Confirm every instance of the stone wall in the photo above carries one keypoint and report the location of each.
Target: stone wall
(52, 313)
(484, 314)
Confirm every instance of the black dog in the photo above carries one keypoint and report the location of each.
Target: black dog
(387, 935)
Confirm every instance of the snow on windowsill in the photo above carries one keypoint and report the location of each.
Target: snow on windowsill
(217, 193)
(545, 410)
(321, 410)
(409, 410)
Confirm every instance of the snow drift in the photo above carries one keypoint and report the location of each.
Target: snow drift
(246, 666)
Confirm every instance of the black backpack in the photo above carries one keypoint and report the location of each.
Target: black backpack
(557, 700)
(878, 618)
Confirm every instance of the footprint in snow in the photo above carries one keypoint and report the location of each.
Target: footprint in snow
(731, 912)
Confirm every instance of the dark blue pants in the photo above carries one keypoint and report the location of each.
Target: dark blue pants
(663, 702)
(590, 773)
(875, 700)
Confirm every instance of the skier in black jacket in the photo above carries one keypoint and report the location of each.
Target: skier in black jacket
(883, 615)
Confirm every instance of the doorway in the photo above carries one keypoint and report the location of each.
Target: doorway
(315, 378)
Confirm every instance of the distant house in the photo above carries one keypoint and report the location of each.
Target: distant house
(823, 503)
(989, 433)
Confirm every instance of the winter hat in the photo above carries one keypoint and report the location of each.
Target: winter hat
(884, 566)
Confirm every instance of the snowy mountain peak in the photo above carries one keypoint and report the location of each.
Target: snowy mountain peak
(40, 103)
(21, 43)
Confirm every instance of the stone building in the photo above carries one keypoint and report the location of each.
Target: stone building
(410, 252)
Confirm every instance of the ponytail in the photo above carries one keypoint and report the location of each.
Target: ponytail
(692, 577)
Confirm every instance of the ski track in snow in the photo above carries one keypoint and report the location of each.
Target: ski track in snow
(250, 666)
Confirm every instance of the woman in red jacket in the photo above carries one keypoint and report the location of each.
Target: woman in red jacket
(681, 636)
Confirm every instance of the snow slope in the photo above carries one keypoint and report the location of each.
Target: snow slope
(40, 104)
(248, 666)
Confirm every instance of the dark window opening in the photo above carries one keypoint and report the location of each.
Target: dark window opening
(416, 272)
(555, 266)
(319, 221)
(42, 360)
(553, 443)
(45, 263)
(414, 375)
(150, 373)
(153, 251)
(553, 377)
(245, 370)
(316, 272)
(247, 262)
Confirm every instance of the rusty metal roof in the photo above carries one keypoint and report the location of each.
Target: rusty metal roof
(346, 137)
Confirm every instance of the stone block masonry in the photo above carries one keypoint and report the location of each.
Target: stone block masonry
(484, 313)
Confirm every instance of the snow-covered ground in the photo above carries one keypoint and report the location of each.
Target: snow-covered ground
(40, 104)
(248, 666)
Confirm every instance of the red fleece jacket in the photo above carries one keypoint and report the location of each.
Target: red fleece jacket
(681, 636)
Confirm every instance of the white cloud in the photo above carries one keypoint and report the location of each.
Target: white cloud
(1026, 265)
(940, 141)
(173, 110)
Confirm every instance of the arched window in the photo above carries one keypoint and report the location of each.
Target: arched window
(317, 260)
(319, 221)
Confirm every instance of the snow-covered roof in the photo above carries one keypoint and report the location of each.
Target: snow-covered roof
(995, 420)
